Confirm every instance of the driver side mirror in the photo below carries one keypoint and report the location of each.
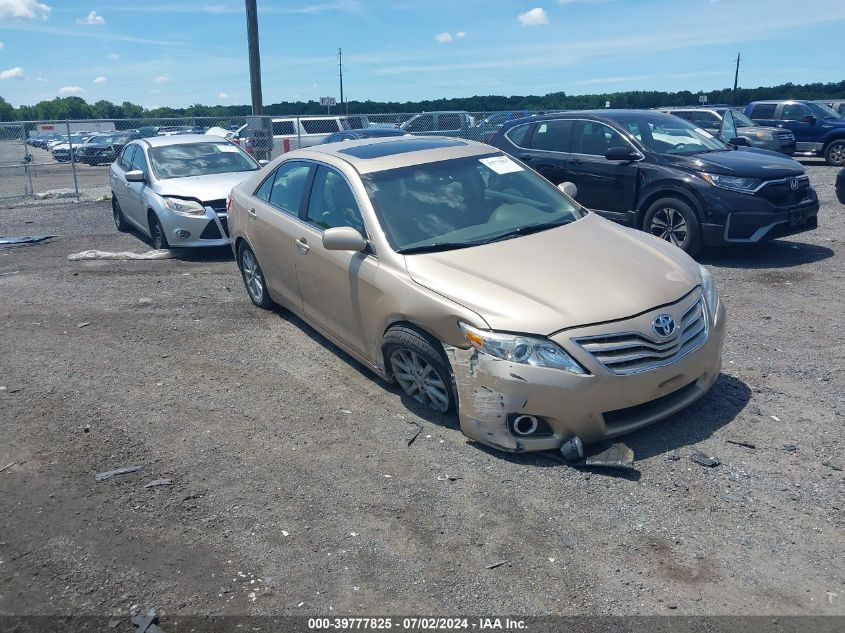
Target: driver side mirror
(569, 188)
(343, 238)
(136, 175)
(621, 153)
(263, 162)
(810, 119)
(739, 142)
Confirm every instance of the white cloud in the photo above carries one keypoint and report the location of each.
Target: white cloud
(460, 35)
(12, 73)
(534, 17)
(2, 46)
(443, 37)
(70, 90)
(100, 80)
(92, 19)
(23, 10)
(161, 79)
(113, 56)
(223, 96)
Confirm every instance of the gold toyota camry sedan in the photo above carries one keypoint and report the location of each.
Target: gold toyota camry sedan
(454, 270)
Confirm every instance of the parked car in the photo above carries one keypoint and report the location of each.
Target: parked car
(818, 129)
(290, 133)
(837, 105)
(486, 129)
(41, 140)
(370, 132)
(456, 123)
(174, 188)
(446, 266)
(840, 186)
(712, 120)
(104, 148)
(656, 172)
(62, 151)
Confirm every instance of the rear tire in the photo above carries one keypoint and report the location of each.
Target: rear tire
(834, 154)
(673, 220)
(117, 213)
(253, 276)
(157, 235)
(420, 368)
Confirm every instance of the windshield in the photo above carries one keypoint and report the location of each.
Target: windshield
(101, 140)
(741, 119)
(199, 159)
(821, 111)
(669, 134)
(464, 202)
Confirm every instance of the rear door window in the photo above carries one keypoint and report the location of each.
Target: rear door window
(422, 123)
(449, 122)
(288, 187)
(795, 112)
(517, 134)
(320, 126)
(283, 128)
(552, 136)
(763, 111)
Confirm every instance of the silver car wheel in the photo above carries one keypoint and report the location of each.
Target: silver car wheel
(668, 224)
(837, 153)
(252, 276)
(419, 379)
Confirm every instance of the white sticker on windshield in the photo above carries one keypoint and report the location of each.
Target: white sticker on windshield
(500, 164)
(228, 148)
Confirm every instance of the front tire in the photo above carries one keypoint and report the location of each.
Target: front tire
(419, 368)
(253, 277)
(157, 235)
(834, 154)
(117, 213)
(673, 220)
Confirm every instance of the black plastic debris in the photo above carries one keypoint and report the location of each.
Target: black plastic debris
(27, 240)
(147, 623)
(617, 456)
(702, 459)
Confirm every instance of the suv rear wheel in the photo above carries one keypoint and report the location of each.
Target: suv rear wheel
(673, 220)
(834, 154)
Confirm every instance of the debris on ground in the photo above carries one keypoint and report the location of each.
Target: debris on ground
(673, 456)
(153, 254)
(155, 483)
(83, 324)
(55, 193)
(449, 478)
(7, 466)
(147, 623)
(27, 240)
(789, 448)
(617, 456)
(741, 443)
(700, 458)
(119, 471)
(498, 564)
(416, 435)
(830, 465)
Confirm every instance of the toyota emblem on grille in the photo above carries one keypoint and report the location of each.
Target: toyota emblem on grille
(793, 184)
(663, 325)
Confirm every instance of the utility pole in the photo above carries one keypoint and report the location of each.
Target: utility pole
(736, 78)
(254, 57)
(340, 69)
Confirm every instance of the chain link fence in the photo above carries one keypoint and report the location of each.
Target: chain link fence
(71, 158)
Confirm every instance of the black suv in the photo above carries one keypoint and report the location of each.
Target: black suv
(104, 148)
(659, 173)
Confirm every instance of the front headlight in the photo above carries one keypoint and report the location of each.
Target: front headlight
(711, 296)
(764, 136)
(735, 183)
(522, 349)
(184, 207)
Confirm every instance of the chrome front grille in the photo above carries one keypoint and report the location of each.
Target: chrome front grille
(633, 352)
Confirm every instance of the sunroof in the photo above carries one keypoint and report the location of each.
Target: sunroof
(416, 144)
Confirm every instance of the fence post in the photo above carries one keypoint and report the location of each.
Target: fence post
(72, 161)
(298, 134)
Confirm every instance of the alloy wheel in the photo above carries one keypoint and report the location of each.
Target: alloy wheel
(419, 379)
(252, 276)
(837, 154)
(668, 224)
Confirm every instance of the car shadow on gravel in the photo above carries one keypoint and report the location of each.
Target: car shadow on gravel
(209, 254)
(777, 254)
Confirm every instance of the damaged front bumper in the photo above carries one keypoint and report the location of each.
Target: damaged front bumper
(603, 404)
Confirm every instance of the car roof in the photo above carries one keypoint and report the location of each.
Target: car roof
(182, 139)
(607, 114)
(380, 154)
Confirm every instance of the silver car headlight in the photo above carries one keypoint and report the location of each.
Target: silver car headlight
(519, 348)
(711, 295)
(734, 183)
(184, 207)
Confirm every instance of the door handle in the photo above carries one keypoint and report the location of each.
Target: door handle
(525, 157)
(302, 245)
(251, 213)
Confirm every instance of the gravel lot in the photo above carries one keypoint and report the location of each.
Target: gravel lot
(294, 489)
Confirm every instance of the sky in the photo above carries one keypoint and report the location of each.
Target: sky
(181, 52)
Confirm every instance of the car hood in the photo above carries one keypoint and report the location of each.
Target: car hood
(741, 162)
(590, 271)
(204, 188)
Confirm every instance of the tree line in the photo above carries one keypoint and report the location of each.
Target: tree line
(62, 108)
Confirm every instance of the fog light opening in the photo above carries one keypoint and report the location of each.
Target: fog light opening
(182, 234)
(524, 425)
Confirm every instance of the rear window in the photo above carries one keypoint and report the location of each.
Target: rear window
(199, 159)
(517, 134)
(763, 111)
(552, 136)
(320, 126)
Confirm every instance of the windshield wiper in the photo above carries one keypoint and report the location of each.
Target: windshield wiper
(435, 248)
(525, 230)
